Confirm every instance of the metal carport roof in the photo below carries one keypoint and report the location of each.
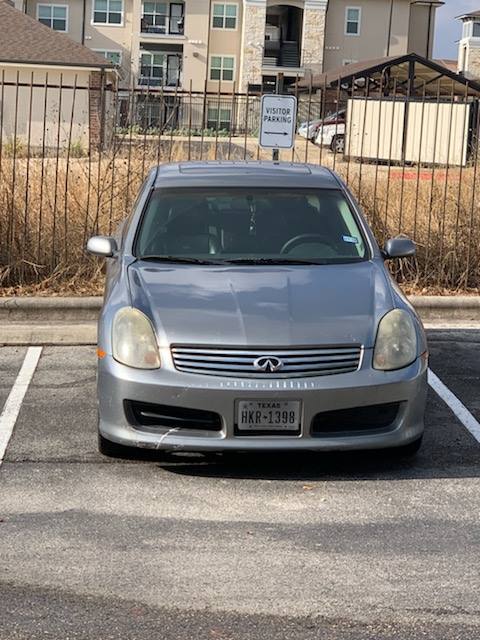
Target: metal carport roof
(410, 73)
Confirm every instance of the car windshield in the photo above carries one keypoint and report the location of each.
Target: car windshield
(253, 226)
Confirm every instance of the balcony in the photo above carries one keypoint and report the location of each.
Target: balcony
(160, 70)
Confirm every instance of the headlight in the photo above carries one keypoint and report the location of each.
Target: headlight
(396, 344)
(133, 340)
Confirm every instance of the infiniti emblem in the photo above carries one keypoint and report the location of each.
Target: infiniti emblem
(268, 364)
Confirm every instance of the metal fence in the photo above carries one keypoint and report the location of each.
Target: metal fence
(72, 158)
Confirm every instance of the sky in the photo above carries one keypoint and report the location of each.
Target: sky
(448, 29)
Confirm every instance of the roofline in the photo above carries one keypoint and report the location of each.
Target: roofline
(457, 77)
(59, 65)
(468, 15)
(432, 3)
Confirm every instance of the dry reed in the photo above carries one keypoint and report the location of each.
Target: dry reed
(45, 223)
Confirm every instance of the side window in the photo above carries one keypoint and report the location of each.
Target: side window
(353, 237)
(139, 201)
(108, 12)
(352, 21)
(224, 16)
(54, 16)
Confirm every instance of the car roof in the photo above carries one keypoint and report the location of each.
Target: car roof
(245, 174)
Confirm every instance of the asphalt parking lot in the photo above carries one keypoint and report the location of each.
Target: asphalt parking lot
(241, 547)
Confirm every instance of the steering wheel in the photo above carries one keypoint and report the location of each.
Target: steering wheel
(305, 238)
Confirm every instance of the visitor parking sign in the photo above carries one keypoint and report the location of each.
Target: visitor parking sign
(279, 116)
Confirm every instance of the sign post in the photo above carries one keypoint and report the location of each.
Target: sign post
(278, 123)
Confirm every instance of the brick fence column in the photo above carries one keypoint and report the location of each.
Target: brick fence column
(96, 108)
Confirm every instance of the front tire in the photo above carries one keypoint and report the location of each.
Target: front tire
(338, 144)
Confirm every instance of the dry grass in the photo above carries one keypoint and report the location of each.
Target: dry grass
(43, 229)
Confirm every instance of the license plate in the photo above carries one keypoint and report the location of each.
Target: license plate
(269, 415)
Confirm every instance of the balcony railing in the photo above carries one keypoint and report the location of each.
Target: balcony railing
(172, 27)
(170, 80)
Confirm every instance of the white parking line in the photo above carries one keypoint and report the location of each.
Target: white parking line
(14, 401)
(458, 408)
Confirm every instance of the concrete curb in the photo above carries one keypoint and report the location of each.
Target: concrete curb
(447, 308)
(72, 321)
(39, 308)
(72, 307)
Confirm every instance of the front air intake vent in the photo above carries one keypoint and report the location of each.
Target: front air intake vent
(151, 416)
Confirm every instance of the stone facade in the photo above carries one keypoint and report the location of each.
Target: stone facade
(253, 38)
(469, 58)
(313, 35)
(474, 63)
(473, 66)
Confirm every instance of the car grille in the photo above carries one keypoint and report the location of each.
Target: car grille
(240, 362)
(379, 417)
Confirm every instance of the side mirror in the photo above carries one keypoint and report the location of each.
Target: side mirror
(102, 246)
(400, 247)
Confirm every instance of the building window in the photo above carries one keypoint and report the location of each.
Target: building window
(108, 12)
(115, 57)
(152, 67)
(154, 19)
(219, 118)
(224, 16)
(352, 21)
(54, 16)
(159, 69)
(476, 29)
(222, 68)
(162, 17)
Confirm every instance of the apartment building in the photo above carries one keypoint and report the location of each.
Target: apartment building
(198, 43)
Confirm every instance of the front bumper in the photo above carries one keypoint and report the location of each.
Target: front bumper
(166, 386)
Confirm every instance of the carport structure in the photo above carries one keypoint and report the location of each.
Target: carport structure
(402, 109)
(410, 73)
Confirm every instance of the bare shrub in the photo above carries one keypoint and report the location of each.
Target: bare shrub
(44, 225)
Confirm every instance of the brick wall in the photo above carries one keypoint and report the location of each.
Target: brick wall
(96, 102)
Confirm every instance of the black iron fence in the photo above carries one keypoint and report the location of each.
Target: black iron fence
(73, 155)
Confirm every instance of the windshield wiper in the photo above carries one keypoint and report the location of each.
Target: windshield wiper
(272, 261)
(238, 261)
(179, 259)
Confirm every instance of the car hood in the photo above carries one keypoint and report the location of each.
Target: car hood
(262, 306)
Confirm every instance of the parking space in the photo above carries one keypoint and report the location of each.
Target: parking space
(11, 359)
(258, 546)
(455, 359)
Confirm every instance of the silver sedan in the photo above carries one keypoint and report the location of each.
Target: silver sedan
(249, 307)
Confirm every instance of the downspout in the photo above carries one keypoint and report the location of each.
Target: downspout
(390, 21)
(429, 30)
(84, 13)
(208, 37)
(207, 62)
(325, 35)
